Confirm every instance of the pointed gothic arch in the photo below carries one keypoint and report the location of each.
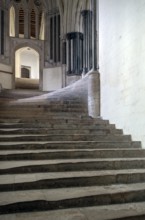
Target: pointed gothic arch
(12, 17)
(27, 19)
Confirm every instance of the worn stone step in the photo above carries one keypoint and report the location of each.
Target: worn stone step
(50, 180)
(51, 125)
(68, 137)
(19, 167)
(32, 200)
(68, 145)
(41, 106)
(67, 130)
(33, 116)
(28, 111)
(42, 117)
(127, 211)
(70, 154)
(56, 118)
(36, 105)
(49, 107)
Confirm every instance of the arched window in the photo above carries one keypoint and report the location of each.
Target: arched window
(41, 26)
(33, 24)
(55, 38)
(28, 21)
(12, 22)
(21, 23)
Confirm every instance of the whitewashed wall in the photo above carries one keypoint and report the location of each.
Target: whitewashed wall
(52, 79)
(6, 76)
(122, 65)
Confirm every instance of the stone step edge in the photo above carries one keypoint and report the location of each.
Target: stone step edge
(69, 145)
(62, 198)
(59, 165)
(129, 211)
(17, 182)
(14, 151)
(70, 154)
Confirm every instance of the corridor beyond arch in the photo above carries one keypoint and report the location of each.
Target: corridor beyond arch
(27, 58)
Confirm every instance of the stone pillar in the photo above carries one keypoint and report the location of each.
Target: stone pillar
(2, 36)
(87, 43)
(94, 94)
(94, 75)
(74, 53)
(0, 31)
(64, 55)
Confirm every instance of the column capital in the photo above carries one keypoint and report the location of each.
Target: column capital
(74, 35)
(86, 13)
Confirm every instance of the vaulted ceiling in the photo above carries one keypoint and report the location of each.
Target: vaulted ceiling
(70, 11)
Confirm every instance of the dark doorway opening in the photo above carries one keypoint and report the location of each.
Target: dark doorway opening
(25, 72)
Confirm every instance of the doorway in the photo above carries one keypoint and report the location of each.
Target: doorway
(27, 68)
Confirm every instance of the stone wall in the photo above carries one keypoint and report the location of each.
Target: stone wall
(122, 65)
(6, 77)
(52, 79)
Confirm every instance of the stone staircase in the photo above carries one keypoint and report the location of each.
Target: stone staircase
(13, 94)
(56, 159)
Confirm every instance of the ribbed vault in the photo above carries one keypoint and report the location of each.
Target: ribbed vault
(70, 14)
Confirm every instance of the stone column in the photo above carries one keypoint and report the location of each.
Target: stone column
(94, 75)
(0, 31)
(64, 55)
(74, 53)
(59, 39)
(87, 43)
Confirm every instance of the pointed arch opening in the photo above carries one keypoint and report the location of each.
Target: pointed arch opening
(27, 68)
(33, 24)
(41, 26)
(21, 23)
(12, 18)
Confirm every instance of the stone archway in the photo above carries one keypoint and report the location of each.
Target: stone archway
(27, 59)
(33, 50)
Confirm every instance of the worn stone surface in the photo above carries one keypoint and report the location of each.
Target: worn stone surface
(63, 159)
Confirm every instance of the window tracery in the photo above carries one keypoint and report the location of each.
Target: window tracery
(27, 19)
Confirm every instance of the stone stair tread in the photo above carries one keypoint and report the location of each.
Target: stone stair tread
(23, 178)
(67, 193)
(68, 137)
(43, 129)
(39, 130)
(47, 135)
(57, 142)
(9, 152)
(50, 119)
(23, 163)
(45, 154)
(55, 126)
(58, 131)
(106, 212)
(41, 168)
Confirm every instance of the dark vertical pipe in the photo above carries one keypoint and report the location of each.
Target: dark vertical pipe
(2, 32)
(95, 11)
